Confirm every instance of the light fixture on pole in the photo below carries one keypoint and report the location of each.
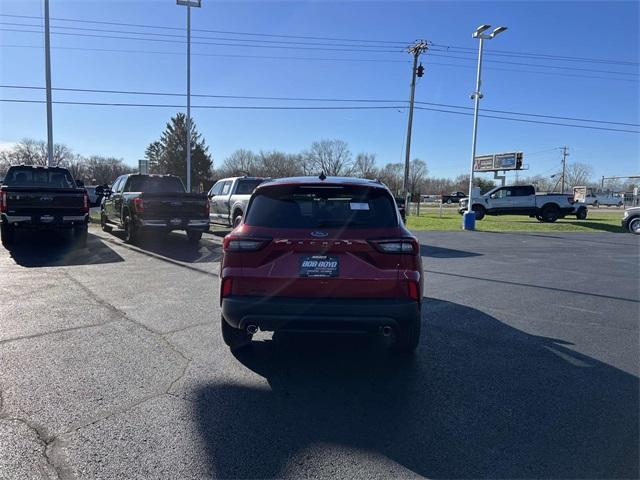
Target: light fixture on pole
(189, 4)
(469, 219)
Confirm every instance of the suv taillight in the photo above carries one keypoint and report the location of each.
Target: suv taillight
(226, 287)
(3, 202)
(138, 204)
(414, 290)
(207, 207)
(396, 245)
(234, 243)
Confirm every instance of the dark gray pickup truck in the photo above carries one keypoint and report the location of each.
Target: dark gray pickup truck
(159, 203)
(42, 198)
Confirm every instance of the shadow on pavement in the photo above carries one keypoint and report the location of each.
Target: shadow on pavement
(440, 252)
(479, 399)
(175, 246)
(55, 249)
(594, 225)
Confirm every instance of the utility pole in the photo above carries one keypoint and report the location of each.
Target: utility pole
(416, 50)
(47, 57)
(564, 166)
(189, 4)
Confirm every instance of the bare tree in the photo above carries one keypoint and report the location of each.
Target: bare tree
(417, 174)
(365, 166)
(104, 170)
(332, 157)
(391, 175)
(240, 162)
(278, 164)
(578, 174)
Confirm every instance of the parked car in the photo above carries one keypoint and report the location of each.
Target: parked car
(631, 220)
(453, 197)
(42, 198)
(521, 200)
(159, 203)
(321, 255)
(228, 199)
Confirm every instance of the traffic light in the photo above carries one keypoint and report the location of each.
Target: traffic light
(420, 71)
(519, 156)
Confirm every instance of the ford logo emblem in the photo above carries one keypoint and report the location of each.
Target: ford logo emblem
(319, 234)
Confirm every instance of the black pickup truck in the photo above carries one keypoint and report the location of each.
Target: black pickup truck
(42, 198)
(145, 203)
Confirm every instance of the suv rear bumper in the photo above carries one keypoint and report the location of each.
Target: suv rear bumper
(339, 314)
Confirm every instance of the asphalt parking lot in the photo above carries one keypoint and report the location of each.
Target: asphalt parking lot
(112, 366)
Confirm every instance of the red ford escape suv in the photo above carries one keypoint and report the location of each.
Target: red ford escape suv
(321, 254)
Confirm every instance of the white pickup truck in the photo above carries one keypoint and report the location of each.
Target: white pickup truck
(590, 197)
(523, 200)
(228, 199)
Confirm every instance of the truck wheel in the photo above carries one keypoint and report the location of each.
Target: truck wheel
(634, 226)
(8, 234)
(582, 214)
(480, 211)
(80, 235)
(103, 223)
(234, 338)
(539, 218)
(237, 218)
(407, 337)
(596, 204)
(194, 236)
(449, 202)
(130, 231)
(550, 214)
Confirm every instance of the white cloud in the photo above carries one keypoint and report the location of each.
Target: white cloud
(7, 145)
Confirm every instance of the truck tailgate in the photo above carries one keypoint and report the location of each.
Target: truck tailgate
(34, 200)
(174, 205)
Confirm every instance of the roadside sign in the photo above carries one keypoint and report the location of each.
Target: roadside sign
(143, 167)
(498, 161)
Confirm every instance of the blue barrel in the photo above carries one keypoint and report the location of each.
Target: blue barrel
(469, 220)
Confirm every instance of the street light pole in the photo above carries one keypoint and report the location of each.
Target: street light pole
(47, 61)
(189, 4)
(417, 49)
(468, 221)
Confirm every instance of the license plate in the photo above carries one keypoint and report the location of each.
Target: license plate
(319, 266)
(175, 221)
(46, 218)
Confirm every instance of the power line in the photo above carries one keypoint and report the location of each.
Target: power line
(294, 46)
(287, 42)
(270, 107)
(280, 57)
(310, 99)
(334, 39)
(288, 47)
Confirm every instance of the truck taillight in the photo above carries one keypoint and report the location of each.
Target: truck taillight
(138, 204)
(207, 208)
(85, 201)
(3, 202)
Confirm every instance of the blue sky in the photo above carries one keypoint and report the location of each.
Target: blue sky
(595, 30)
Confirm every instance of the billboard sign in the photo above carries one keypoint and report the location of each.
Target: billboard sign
(498, 161)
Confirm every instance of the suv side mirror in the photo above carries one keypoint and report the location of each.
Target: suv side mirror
(79, 183)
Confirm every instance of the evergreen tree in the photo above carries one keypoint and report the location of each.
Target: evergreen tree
(168, 155)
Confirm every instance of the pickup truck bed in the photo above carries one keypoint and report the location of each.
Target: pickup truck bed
(35, 207)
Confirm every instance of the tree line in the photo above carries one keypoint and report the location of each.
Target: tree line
(333, 157)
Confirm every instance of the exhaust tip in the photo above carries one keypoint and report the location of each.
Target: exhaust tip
(252, 329)
(386, 330)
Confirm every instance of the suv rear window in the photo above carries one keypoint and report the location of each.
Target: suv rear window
(155, 184)
(330, 206)
(246, 186)
(39, 177)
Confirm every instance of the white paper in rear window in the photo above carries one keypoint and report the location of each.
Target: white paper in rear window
(359, 206)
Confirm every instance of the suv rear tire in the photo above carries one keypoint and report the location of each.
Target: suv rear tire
(7, 234)
(234, 338)
(407, 337)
